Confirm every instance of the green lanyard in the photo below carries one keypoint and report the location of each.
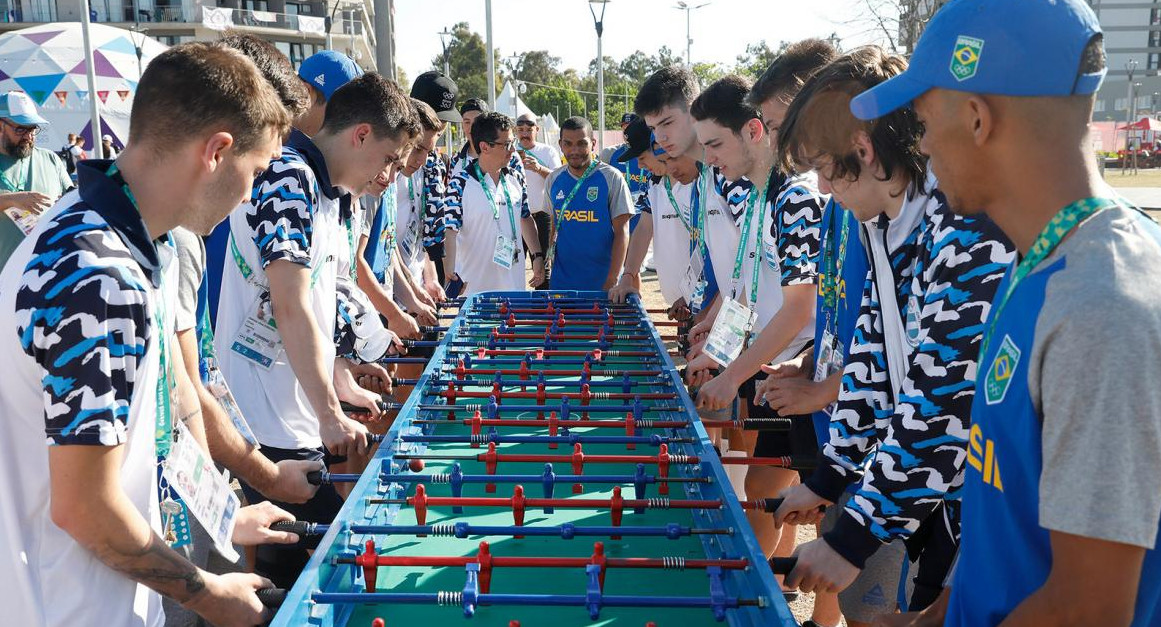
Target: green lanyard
(163, 436)
(388, 203)
(564, 206)
(1054, 232)
(248, 272)
(353, 271)
(832, 262)
(492, 199)
(528, 151)
(743, 244)
(9, 186)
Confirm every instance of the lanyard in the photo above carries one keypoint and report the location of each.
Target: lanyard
(492, 199)
(10, 186)
(564, 206)
(1054, 232)
(417, 211)
(163, 436)
(351, 244)
(834, 262)
(248, 272)
(743, 243)
(528, 151)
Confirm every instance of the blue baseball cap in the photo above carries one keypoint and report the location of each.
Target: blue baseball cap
(328, 70)
(994, 47)
(19, 108)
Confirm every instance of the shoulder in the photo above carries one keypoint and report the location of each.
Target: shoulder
(48, 155)
(78, 258)
(611, 174)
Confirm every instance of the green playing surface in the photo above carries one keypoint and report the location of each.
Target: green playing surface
(688, 583)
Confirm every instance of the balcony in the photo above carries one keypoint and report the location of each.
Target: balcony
(182, 15)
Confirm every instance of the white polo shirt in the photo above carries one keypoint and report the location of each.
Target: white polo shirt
(80, 303)
(293, 215)
(547, 156)
(410, 200)
(469, 212)
(671, 238)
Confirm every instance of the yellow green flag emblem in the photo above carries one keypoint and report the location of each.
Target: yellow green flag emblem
(966, 58)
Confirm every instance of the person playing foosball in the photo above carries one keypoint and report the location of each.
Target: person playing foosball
(95, 387)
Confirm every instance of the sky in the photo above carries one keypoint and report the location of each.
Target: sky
(720, 31)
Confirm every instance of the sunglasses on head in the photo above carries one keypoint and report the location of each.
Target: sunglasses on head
(525, 123)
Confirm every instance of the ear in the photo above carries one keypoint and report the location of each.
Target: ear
(214, 148)
(981, 118)
(864, 148)
(360, 133)
(754, 130)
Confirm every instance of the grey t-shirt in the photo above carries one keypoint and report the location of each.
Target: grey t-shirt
(43, 172)
(1095, 377)
(191, 259)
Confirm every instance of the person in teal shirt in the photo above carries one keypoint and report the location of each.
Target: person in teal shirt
(1062, 482)
(31, 178)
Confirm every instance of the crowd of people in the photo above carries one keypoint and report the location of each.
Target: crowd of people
(856, 242)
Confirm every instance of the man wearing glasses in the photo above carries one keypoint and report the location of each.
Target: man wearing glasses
(31, 178)
(487, 215)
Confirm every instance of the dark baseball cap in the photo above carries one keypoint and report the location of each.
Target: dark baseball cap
(438, 91)
(639, 137)
(474, 104)
(627, 118)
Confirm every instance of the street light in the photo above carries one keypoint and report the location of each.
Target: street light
(514, 62)
(683, 6)
(443, 39)
(599, 22)
(1130, 68)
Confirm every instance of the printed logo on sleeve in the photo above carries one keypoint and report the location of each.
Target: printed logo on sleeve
(1000, 372)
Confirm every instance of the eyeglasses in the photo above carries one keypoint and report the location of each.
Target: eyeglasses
(525, 123)
(24, 131)
(510, 145)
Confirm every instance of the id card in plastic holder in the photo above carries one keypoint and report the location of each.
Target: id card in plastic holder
(25, 220)
(411, 239)
(830, 361)
(692, 284)
(727, 338)
(505, 252)
(258, 339)
(205, 491)
(216, 384)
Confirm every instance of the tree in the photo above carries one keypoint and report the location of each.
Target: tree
(707, 73)
(401, 78)
(757, 58)
(467, 60)
(560, 100)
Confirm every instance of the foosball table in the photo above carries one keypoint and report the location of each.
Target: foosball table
(547, 469)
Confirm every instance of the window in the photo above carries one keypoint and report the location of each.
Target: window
(1154, 17)
(256, 5)
(1119, 104)
(294, 8)
(1154, 62)
(1098, 106)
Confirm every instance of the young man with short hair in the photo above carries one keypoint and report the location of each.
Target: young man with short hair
(674, 204)
(469, 111)
(486, 216)
(591, 207)
(763, 247)
(906, 392)
(92, 364)
(1061, 508)
(286, 252)
(539, 160)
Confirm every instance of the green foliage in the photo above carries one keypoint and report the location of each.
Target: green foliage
(550, 89)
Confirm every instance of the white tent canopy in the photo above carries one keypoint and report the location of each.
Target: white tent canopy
(510, 104)
(48, 63)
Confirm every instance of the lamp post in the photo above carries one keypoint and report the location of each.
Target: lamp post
(90, 73)
(514, 61)
(443, 39)
(599, 22)
(491, 56)
(1130, 68)
(684, 6)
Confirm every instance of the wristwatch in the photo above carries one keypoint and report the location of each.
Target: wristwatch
(537, 255)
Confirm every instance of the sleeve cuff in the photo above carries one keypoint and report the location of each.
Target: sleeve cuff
(850, 539)
(828, 482)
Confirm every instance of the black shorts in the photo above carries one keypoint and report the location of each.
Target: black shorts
(798, 441)
(283, 563)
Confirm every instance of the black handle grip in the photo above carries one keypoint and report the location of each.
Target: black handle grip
(783, 565)
(348, 408)
(315, 477)
(767, 424)
(771, 505)
(300, 527)
(271, 597)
